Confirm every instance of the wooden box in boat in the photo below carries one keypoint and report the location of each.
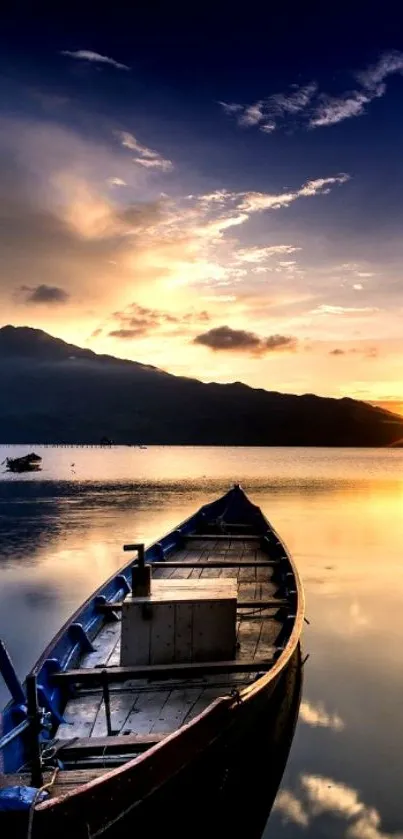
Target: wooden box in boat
(180, 621)
(152, 746)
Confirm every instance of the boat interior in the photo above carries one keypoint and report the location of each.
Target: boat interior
(117, 701)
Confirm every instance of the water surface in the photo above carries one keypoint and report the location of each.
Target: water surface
(339, 511)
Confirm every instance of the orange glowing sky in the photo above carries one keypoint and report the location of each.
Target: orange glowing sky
(224, 250)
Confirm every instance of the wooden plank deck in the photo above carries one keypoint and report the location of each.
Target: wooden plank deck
(142, 708)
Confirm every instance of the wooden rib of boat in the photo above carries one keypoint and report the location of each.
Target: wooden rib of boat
(195, 744)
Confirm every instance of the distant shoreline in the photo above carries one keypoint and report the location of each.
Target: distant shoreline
(86, 445)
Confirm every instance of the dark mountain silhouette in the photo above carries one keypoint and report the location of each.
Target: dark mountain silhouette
(53, 392)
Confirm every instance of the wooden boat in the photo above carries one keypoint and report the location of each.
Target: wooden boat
(184, 747)
(27, 463)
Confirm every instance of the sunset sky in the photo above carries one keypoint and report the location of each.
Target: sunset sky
(218, 196)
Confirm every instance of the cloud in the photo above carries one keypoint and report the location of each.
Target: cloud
(256, 254)
(230, 108)
(366, 352)
(88, 237)
(388, 64)
(148, 158)
(253, 202)
(59, 221)
(44, 294)
(309, 107)
(224, 338)
(358, 286)
(95, 57)
(333, 109)
(137, 321)
(252, 115)
(219, 298)
(124, 333)
(158, 163)
(268, 113)
(219, 196)
(324, 309)
(316, 715)
(295, 101)
(268, 127)
(116, 182)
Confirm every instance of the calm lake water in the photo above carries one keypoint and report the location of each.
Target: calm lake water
(340, 512)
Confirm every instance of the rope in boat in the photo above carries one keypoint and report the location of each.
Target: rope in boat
(43, 788)
(53, 748)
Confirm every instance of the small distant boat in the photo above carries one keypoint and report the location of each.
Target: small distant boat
(166, 705)
(28, 463)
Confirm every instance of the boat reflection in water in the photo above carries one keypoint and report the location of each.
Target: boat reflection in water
(28, 463)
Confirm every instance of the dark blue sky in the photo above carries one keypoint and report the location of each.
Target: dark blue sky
(244, 164)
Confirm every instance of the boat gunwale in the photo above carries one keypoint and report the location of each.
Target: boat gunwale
(230, 702)
(208, 712)
(292, 643)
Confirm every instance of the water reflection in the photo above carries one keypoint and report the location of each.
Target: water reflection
(340, 512)
(332, 807)
(316, 715)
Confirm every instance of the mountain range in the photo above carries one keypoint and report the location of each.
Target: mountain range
(54, 392)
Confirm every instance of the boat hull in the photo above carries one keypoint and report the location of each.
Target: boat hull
(215, 775)
(225, 789)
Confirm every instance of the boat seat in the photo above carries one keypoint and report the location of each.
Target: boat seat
(270, 603)
(121, 744)
(162, 671)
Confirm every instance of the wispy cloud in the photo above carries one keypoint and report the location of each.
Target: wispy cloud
(252, 115)
(366, 352)
(116, 182)
(374, 75)
(333, 109)
(309, 107)
(324, 309)
(94, 57)
(268, 113)
(256, 201)
(89, 237)
(149, 158)
(256, 254)
(137, 321)
(231, 108)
